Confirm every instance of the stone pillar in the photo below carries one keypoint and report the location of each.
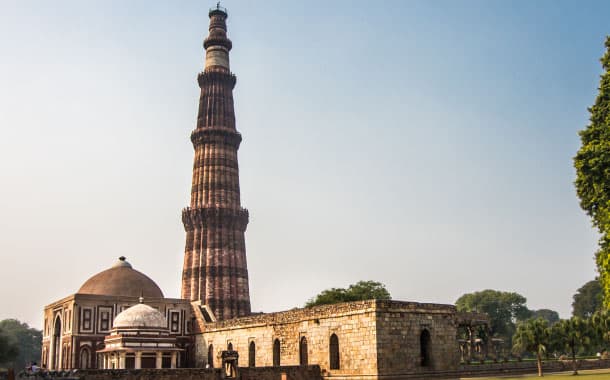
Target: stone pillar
(138, 361)
(104, 361)
(174, 356)
(159, 363)
(121, 360)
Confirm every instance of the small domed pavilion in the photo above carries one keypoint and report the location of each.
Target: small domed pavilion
(139, 338)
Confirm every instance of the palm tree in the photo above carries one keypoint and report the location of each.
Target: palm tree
(573, 333)
(533, 335)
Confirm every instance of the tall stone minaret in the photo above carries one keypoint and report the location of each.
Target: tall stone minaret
(215, 270)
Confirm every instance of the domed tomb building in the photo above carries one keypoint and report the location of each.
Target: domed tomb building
(75, 326)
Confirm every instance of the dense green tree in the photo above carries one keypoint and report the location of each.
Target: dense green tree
(362, 290)
(550, 315)
(592, 163)
(504, 310)
(587, 300)
(572, 334)
(27, 339)
(8, 350)
(600, 326)
(534, 336)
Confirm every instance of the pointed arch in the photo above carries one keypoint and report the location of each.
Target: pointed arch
(211, 356)
(84, 358)
(56, 343)
(276, 353)
(252, 354)
(303, 358)
(424, 348)
(333, 350)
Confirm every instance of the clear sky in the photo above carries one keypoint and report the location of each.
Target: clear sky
(424, 144)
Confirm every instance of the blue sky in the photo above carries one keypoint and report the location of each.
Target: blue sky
(424, 144)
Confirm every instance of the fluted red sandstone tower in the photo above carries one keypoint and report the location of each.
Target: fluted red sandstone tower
(215, 269)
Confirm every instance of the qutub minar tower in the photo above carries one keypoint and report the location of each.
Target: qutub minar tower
(215, 270)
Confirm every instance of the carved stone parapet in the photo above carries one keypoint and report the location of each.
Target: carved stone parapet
(218, 216)
(207, 77)
(210, 135)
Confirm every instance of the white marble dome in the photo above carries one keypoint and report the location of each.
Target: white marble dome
(140, 315)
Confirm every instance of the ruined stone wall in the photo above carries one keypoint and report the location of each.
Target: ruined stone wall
(353, 324)
(264, 373)
(375, 338)
(400, 326)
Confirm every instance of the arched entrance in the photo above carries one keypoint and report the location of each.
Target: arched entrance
(424, 348)
(56, 344)
(211, 356)
(252, 355)
(333, 350)
(303, 359)
(84, 358)
(276, 353)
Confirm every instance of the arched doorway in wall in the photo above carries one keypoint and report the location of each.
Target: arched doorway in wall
(424, 348)
(252, 355)
(276, 353)
(56, 343)
(84, 359)
(211, 356)
(333, 350)
(303, 359)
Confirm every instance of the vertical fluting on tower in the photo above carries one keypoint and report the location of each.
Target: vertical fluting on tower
(215, 270)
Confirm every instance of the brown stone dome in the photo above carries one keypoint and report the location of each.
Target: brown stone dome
(121, 280)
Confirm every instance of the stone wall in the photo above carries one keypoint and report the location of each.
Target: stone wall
(400, 326)
(260, 373)
(353, 324)
(375, 338)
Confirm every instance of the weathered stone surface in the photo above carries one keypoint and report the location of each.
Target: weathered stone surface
(375, 337)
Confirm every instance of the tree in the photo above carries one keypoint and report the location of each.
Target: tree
(8, 349)
(550, 315)
(600, 327)
(504, 309)
(573, 334)
(27, 339)
(587, 300)
(532, 335)
(362, 290)
(592, 163)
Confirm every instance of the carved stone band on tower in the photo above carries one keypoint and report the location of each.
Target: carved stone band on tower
(215, 270)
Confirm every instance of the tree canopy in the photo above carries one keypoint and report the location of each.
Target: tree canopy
(362, 290)
(8, 349)
(592, 163)
(587, 300)
(24, 340)
(504, 309)
(551, 316)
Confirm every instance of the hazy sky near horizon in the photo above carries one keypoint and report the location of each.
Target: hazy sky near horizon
(424, 144)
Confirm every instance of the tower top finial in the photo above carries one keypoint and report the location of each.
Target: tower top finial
(218, 10)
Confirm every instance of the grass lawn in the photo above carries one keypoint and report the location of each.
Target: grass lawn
(601, 374)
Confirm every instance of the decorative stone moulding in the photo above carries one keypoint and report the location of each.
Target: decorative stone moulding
(208, 77)
(215, 216)
(215, 135)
